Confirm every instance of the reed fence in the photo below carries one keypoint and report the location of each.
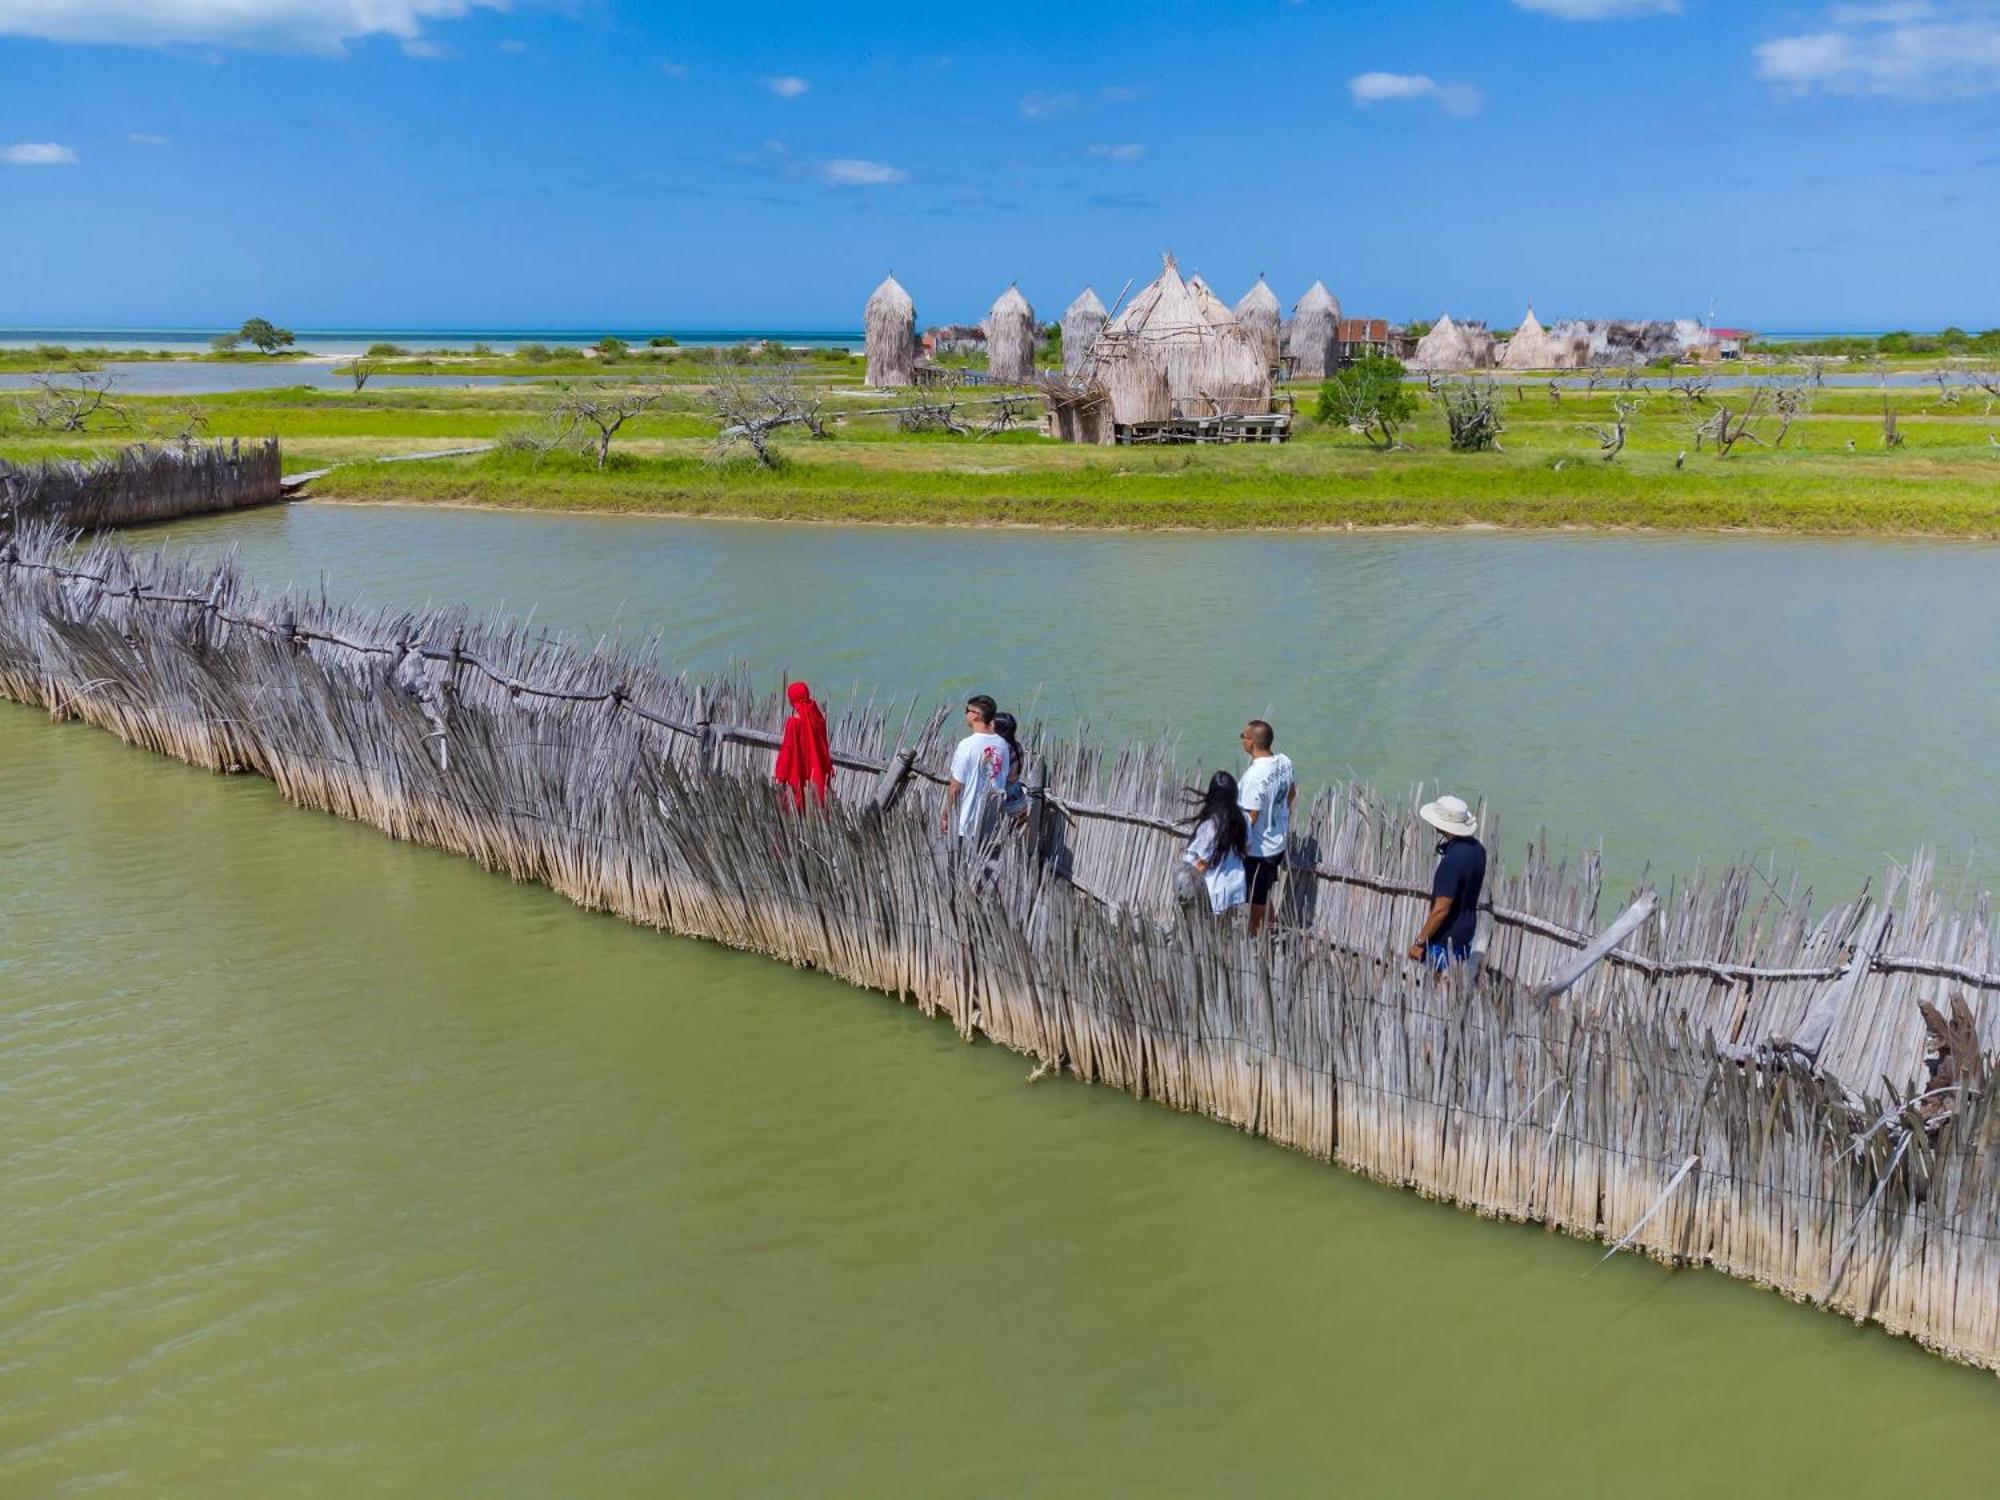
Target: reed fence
(1739, 1084)
(141, 484)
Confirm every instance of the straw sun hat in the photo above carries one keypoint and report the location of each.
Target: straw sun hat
(1450, 815)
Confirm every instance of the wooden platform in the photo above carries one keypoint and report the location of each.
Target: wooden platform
(1271, 427)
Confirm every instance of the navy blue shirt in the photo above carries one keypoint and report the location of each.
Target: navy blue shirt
(1461, 873)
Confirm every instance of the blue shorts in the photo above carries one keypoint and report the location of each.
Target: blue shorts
(1441, 956)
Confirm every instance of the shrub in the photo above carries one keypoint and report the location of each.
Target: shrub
(612, 347)
(386, 351)
(534, 353)
(1369, 398)
(663, 341)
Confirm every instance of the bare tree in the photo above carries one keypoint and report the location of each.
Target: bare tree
(1693, 390)
(69, 401)
(1985, 378)
(1471, 416)
(1611, 440)
(1790, 401)
(1009, 412)
(1726, 428)
(748, 411)
(181, 426)
(359, 371)
(1948, 394)
(1555, 390)
(1892, 437)
(592, 415)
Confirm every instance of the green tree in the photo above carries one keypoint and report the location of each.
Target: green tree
(611, 347)
(1370, 399)
(225, 343)
(266, 335)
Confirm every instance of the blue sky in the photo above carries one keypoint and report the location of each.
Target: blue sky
(604, 162)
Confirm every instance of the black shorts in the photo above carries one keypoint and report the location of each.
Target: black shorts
(1260, 873)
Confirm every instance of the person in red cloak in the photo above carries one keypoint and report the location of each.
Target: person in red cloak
(805, 756)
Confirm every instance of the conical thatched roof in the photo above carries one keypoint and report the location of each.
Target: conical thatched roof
(1260, 313)
(1175, 350)
(1454, 346)
(1531, 348)
(1314, 340)
(890, 326)
(1010, 339)
(1083, 320)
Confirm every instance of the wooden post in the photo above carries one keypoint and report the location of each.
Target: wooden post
(704, 731)
(1038, 811)
(1629, 921)
(889, 785)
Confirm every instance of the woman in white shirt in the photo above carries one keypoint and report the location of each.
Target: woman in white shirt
(1215, 852)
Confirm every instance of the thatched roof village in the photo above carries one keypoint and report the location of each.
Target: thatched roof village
(1175, 360)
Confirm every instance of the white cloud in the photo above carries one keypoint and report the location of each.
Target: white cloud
(1041, 104)
(38, 154)
(145, 138)
(287, 25)
(1601, 10)
(512, 47)
(847, 171)
(425, 49)
(674, 70)
(1393, 88)
(787, 87)
(1910, 49)
(1126, 151)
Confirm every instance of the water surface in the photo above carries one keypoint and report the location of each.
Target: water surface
(338, 1166)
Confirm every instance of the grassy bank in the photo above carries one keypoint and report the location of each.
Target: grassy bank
(1834, 473)
(1345, 489)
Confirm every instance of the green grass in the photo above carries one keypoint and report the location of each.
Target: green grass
(1944, 480)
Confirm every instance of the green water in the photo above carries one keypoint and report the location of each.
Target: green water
(337, 1166)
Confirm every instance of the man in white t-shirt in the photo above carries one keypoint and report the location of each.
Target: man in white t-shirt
(1265, 792)
(978, 773)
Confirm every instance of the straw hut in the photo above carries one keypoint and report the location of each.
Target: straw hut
(1533, 348)
(890, 324)
(1176, 351)
(1455, 346)
(1083, 320)
(1313, 344)
(1260, 313)
(1010, 339)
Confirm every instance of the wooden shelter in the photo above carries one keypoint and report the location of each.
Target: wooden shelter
(1175, 352)
(1083, 320)
(1260, 313)
(890, 327)
(1452, 346)
(1312, 344)
(1010, 339)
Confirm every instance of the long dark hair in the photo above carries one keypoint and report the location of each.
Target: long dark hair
(1005, 725)
(1218, 805)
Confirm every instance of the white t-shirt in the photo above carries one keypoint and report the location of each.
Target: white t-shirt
(1266, 790)
(1223, 877)
(979, 766)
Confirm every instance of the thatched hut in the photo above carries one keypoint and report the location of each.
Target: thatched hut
(1260, 314)
(1313, 344)
(1533, 347)
(1167, 355)
(1454, 346)
(1083, 320)
(890, 325)
(1010, 339)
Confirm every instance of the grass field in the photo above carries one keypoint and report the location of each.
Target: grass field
(1833, 475)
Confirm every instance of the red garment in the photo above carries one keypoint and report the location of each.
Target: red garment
(805, 756)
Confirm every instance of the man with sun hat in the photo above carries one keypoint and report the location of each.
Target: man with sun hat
(1446, 937)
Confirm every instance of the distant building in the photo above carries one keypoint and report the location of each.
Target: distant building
(1361, 337)
(955, 338)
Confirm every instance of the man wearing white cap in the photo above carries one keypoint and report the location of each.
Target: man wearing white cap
(1446, 938)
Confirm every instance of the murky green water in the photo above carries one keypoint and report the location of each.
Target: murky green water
(338, 1166)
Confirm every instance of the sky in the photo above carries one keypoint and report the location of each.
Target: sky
(472, 163)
